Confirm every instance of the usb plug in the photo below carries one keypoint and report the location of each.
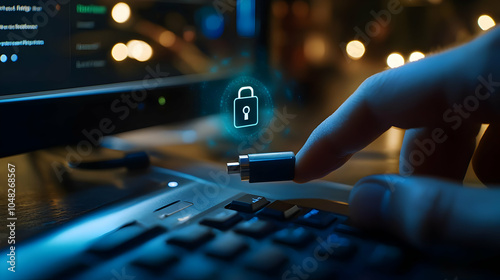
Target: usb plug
(264, 167)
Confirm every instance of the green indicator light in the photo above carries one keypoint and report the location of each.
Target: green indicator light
(162, 101)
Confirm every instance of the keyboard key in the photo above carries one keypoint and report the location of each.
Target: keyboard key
(297, 236)
(267, 260)
(254, 227)
(192, 237)
(316, 218)
(222, 219)
(386, 258)
(125, 238)
(226, 246)
(156, 260)
(338, 247)
(196, 267)
(280, 210)
(248, 203)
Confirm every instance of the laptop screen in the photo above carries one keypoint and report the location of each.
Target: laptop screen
(60, 47)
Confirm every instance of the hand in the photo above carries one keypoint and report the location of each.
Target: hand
(442, 102)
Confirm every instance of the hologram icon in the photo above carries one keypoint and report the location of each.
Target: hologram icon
(246, 109)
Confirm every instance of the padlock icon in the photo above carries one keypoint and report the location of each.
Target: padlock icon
(246, 109)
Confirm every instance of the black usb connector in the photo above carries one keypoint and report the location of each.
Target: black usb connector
(264, 167)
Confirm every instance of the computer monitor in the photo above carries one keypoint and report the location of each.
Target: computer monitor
(79, 70)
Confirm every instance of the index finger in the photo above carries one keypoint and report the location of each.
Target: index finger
(414, 95)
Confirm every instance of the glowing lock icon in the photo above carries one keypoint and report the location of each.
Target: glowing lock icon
(246, 109)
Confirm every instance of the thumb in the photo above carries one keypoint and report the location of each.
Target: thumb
(428, 213)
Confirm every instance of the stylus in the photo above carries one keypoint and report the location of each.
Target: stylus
(265, 167)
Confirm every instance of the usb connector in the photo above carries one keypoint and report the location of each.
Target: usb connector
(264, 167)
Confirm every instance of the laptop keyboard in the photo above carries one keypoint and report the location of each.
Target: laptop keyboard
(251, 237)
(236, 236)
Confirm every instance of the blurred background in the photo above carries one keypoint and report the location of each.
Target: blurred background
(325, 49)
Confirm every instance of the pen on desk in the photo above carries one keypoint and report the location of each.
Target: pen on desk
(265, 167)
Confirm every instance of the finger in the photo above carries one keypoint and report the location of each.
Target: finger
(438, 151)
(485, 162)
(419, 94)
(428, 213)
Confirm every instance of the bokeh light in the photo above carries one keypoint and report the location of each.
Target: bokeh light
(120, 12)
(416, 55)
(139, 50)
(280, 9)
(355, 49)
(485, 22)
(119, 52)
(315, 48)
(167, 39)
(300, 9)
(213, 26)
(395, 60)
(189, 35)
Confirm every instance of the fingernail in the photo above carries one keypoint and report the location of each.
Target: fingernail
(368, 204)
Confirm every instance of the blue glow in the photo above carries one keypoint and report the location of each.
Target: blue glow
(141, 106)
(13, 57)
(214, 69)
(265, 109)
(173, 184)
(212, 143)
(245, 18)
(311, 213)
(213, 26)
(278, 74)
(3, 58)
(287, 131)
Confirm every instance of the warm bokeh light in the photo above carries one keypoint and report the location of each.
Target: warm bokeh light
(485, 22)
(355, 49)
(120, 12)
(315, 48)
(280, 9)
(189, 35)
(395, 60)
(300, 9)
(139, 50)
(119, 52)
(414, 56)
(167, 39)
